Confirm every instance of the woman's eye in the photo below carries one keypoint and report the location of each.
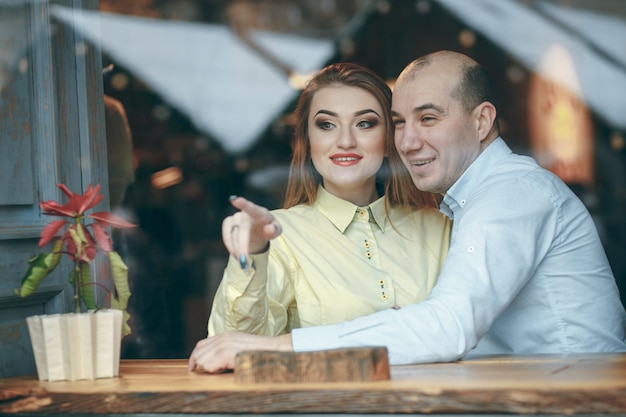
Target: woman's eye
(366, 124)
(325, 125)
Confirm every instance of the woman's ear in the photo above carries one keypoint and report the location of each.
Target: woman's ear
(485, 119)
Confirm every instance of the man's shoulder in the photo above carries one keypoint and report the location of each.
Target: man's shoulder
(515, 179)
(522, 168)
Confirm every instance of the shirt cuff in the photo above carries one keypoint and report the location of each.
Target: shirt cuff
(255, 280)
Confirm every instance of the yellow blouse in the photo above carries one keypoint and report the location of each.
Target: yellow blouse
(334, 261)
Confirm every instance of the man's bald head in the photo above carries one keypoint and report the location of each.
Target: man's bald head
(470, 84)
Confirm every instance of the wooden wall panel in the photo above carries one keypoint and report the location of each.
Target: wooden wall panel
(51, 129)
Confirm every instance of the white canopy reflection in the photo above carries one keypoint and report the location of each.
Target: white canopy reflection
(205, 71)
(595, 42)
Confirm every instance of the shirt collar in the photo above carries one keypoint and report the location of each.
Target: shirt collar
(341, 212)
(378, 213)
(456, 197)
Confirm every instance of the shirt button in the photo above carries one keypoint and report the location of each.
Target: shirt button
(366, 244)
(361, 213)
(383, 296)
(470, 249)
(462, 202)
(368, 254)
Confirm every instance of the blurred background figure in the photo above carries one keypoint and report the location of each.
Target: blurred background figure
(119, 150)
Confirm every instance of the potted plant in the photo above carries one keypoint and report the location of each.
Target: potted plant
(84, 344)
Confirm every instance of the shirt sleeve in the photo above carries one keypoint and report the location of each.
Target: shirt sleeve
(496, 246)
(245, 302)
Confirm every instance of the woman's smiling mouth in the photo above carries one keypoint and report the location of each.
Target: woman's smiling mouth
(345, 159)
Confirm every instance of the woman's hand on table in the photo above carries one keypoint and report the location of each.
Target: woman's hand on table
(217, 353)
(249, 230)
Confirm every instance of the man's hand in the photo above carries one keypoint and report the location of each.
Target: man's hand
(217, 353)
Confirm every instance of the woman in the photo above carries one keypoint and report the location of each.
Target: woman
(338, 249)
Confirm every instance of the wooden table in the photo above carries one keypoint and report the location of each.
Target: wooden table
(576, 384)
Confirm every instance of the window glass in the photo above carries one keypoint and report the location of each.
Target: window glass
(199, 95)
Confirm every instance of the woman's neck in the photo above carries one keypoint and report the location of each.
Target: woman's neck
(360, 196)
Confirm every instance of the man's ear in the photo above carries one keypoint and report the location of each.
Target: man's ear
(485, 119)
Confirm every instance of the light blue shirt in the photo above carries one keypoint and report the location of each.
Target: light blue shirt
(525, 273)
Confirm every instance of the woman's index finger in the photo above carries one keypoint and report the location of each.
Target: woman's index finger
(256, 212)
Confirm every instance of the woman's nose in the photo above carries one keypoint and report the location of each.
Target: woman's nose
(346, 139)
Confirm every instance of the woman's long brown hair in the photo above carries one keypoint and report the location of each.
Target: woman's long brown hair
(304, 179)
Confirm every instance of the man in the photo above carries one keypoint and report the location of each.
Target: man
(526, 272)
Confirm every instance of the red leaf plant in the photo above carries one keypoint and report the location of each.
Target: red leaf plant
(80, 242)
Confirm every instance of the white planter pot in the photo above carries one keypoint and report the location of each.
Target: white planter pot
(70, 347)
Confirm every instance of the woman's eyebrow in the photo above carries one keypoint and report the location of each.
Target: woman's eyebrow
(362, 112)
(328, 112)
(358, 113)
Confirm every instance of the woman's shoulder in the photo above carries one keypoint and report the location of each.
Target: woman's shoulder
(425, 216)
(414, 212)
(293, 213)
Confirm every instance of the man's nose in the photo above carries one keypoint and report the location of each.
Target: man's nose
(408, 139)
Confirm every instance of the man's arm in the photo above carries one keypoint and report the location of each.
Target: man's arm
(495, 248)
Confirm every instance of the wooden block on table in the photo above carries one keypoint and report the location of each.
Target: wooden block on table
(336, 365)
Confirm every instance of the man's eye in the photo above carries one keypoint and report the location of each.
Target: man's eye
(398, 122)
